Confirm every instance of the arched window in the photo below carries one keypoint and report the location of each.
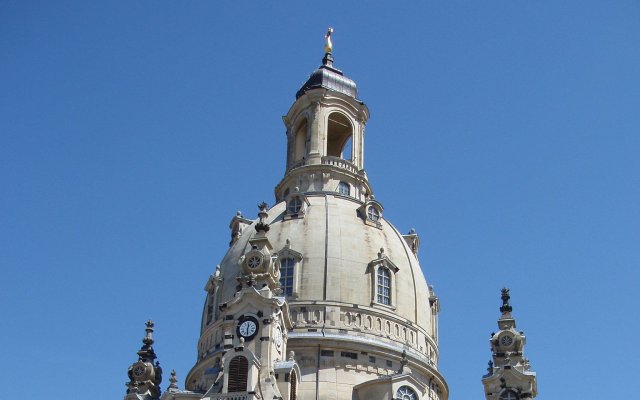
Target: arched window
(384, 286)
(339, 134)
(344, 188)
(509, 395)
(301, 141)
(294, 206)
(293, 393)
(406, 393)
(287, 266)
(347, 149)
(238, 370)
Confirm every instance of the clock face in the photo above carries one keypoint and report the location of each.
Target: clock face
(248, 328)
(254, 262)
(506, 340)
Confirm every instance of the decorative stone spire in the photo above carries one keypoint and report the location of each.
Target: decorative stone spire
(173, 385)
(509, 375)
(148, 339)
(146, 352)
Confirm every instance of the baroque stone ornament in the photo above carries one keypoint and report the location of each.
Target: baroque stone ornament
(262, 225)
(505, 308)
(145, 376)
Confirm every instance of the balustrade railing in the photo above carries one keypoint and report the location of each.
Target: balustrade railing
(232, 396)
(339, 162)
(329, 160)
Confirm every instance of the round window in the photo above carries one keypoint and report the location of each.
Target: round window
(406, 393)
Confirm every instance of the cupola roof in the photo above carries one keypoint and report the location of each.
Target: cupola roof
(329, 77)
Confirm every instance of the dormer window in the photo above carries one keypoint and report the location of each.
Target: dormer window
(290, 263)
(371, 212)
(383, 281)
(295, 205)
(344, 188)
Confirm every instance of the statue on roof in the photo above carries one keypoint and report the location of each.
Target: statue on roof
(328, 46)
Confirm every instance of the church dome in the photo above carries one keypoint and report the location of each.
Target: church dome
(321, 284)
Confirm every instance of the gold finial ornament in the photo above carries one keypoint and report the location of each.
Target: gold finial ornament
(328, 46)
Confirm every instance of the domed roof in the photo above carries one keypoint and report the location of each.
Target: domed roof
(329, 77)
(337, 250)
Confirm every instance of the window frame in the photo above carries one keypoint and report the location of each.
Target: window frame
(287, 264)
(509, 391)
(303, 204)
(288, 253)
(344, 185)
(383, 281)
(412, 391)
(373, 269)
(297, 205)
(368, 210)
(373, 214)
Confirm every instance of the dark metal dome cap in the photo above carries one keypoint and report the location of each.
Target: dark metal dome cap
(328, 77)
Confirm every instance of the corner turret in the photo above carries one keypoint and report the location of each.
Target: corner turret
(509, 375)
(145, 376)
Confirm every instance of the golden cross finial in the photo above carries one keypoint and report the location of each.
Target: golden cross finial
(328, 46)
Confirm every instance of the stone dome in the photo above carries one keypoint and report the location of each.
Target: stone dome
(337, 249)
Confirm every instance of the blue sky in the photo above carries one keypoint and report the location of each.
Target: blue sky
(505, 132)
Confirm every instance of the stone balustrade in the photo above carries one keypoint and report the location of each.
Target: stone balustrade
(233, 396)
(329, 160)
(340, 163)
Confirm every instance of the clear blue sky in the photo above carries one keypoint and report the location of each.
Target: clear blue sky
(506, 132)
